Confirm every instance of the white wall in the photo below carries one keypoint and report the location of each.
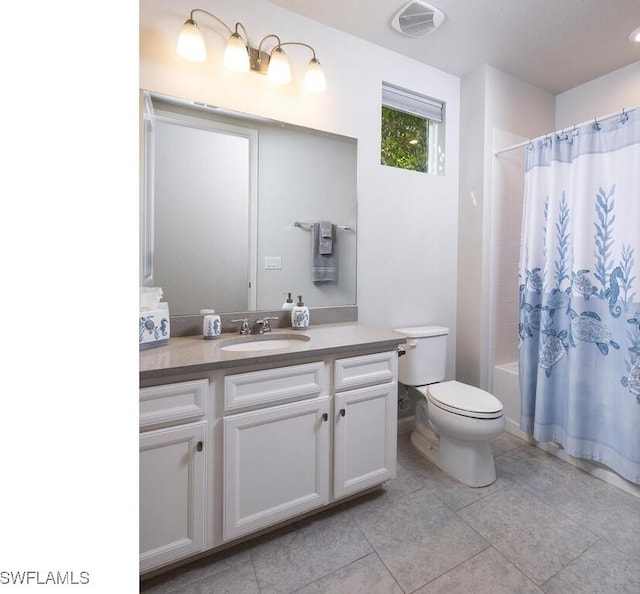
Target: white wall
(496, 110)
(407, 221)
(515, 112)
(601, 96)
(470, 238)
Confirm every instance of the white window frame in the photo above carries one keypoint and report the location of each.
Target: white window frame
(430, 109)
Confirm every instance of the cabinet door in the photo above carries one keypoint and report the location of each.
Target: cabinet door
(365, 438)
(276, 464)
(172, 494)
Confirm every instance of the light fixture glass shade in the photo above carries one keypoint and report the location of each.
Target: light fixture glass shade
(279, 70)
(635, 35)
(314, 79)
(191, 43)
(236, 56)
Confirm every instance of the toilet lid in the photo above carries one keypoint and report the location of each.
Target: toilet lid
(464, 400)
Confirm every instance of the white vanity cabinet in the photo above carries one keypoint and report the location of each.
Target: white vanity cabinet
(276, 462)
(173, 446)
(365, 412)
(281, 461)
(235, 442)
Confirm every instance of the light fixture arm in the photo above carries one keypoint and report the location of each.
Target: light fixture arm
(267, 37)
(299, 43)
(213, 16)
(238, 25)
(246, 35)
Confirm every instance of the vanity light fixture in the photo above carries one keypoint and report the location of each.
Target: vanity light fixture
(635, 35)
(240, 56)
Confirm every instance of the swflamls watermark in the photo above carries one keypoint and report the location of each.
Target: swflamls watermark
(43, 578)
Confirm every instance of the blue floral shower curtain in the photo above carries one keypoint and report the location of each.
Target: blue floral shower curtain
(579, 325)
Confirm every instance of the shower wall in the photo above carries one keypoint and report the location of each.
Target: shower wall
(507, 182)
(497, 110)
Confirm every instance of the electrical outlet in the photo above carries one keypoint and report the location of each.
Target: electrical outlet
(273, 263)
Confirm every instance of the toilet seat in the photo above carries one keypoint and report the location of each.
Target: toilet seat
(462, 399)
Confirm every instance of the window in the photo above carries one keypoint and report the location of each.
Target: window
(412, 131)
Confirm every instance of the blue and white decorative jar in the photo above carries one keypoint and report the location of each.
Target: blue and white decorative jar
(154, 327)
(300, 315)
(211, 324)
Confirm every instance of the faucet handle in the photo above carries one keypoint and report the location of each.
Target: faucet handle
(244, 325)
(266, 323)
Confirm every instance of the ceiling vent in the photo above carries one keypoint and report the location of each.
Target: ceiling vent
(417, 19)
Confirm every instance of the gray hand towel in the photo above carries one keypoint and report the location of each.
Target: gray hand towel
(325, 240)
(324, 267)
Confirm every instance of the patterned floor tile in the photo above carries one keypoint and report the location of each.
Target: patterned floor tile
(306, 551)
(599, 570)
(365, 576)
(418, 538)
(180, 579)
(229, 581)
(602, 508)
(535, 537)
(486, 573)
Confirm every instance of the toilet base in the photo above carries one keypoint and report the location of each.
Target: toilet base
(457, 444)
(426, 446)
(469, 462)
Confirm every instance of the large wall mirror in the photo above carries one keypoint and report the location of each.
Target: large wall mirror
(229, 206)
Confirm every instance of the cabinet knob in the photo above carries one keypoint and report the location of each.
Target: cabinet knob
(343, 412)
(325, 417)
(199, 446)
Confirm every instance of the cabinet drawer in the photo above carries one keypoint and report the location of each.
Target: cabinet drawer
(273, 385)
(365, 370)
(171, 403)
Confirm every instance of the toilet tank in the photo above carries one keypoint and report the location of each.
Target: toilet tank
(426, 358)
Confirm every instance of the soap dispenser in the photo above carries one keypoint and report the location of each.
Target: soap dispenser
(300, 315)
(211, 324)
(288, 304)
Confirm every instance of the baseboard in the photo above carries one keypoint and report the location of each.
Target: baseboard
(405, 424)
(513, 427)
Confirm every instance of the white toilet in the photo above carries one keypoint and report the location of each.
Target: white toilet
(464, 418)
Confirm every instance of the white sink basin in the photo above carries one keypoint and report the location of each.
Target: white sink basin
(262, 342)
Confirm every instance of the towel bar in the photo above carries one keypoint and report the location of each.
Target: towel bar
(309, 225)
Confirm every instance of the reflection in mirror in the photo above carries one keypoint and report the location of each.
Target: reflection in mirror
(222, 194)
(201, 189)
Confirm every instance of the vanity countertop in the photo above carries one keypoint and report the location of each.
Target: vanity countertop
(190, 354)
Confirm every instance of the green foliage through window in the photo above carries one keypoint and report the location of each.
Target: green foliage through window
(405, 140)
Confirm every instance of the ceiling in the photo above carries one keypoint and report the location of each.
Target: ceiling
(552, 44)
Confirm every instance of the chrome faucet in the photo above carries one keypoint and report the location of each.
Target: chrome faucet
(245, 329)
(264, 325)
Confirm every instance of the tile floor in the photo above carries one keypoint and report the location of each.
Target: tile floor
(543, 526)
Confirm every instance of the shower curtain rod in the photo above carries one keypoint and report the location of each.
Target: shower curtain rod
(562, 130)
